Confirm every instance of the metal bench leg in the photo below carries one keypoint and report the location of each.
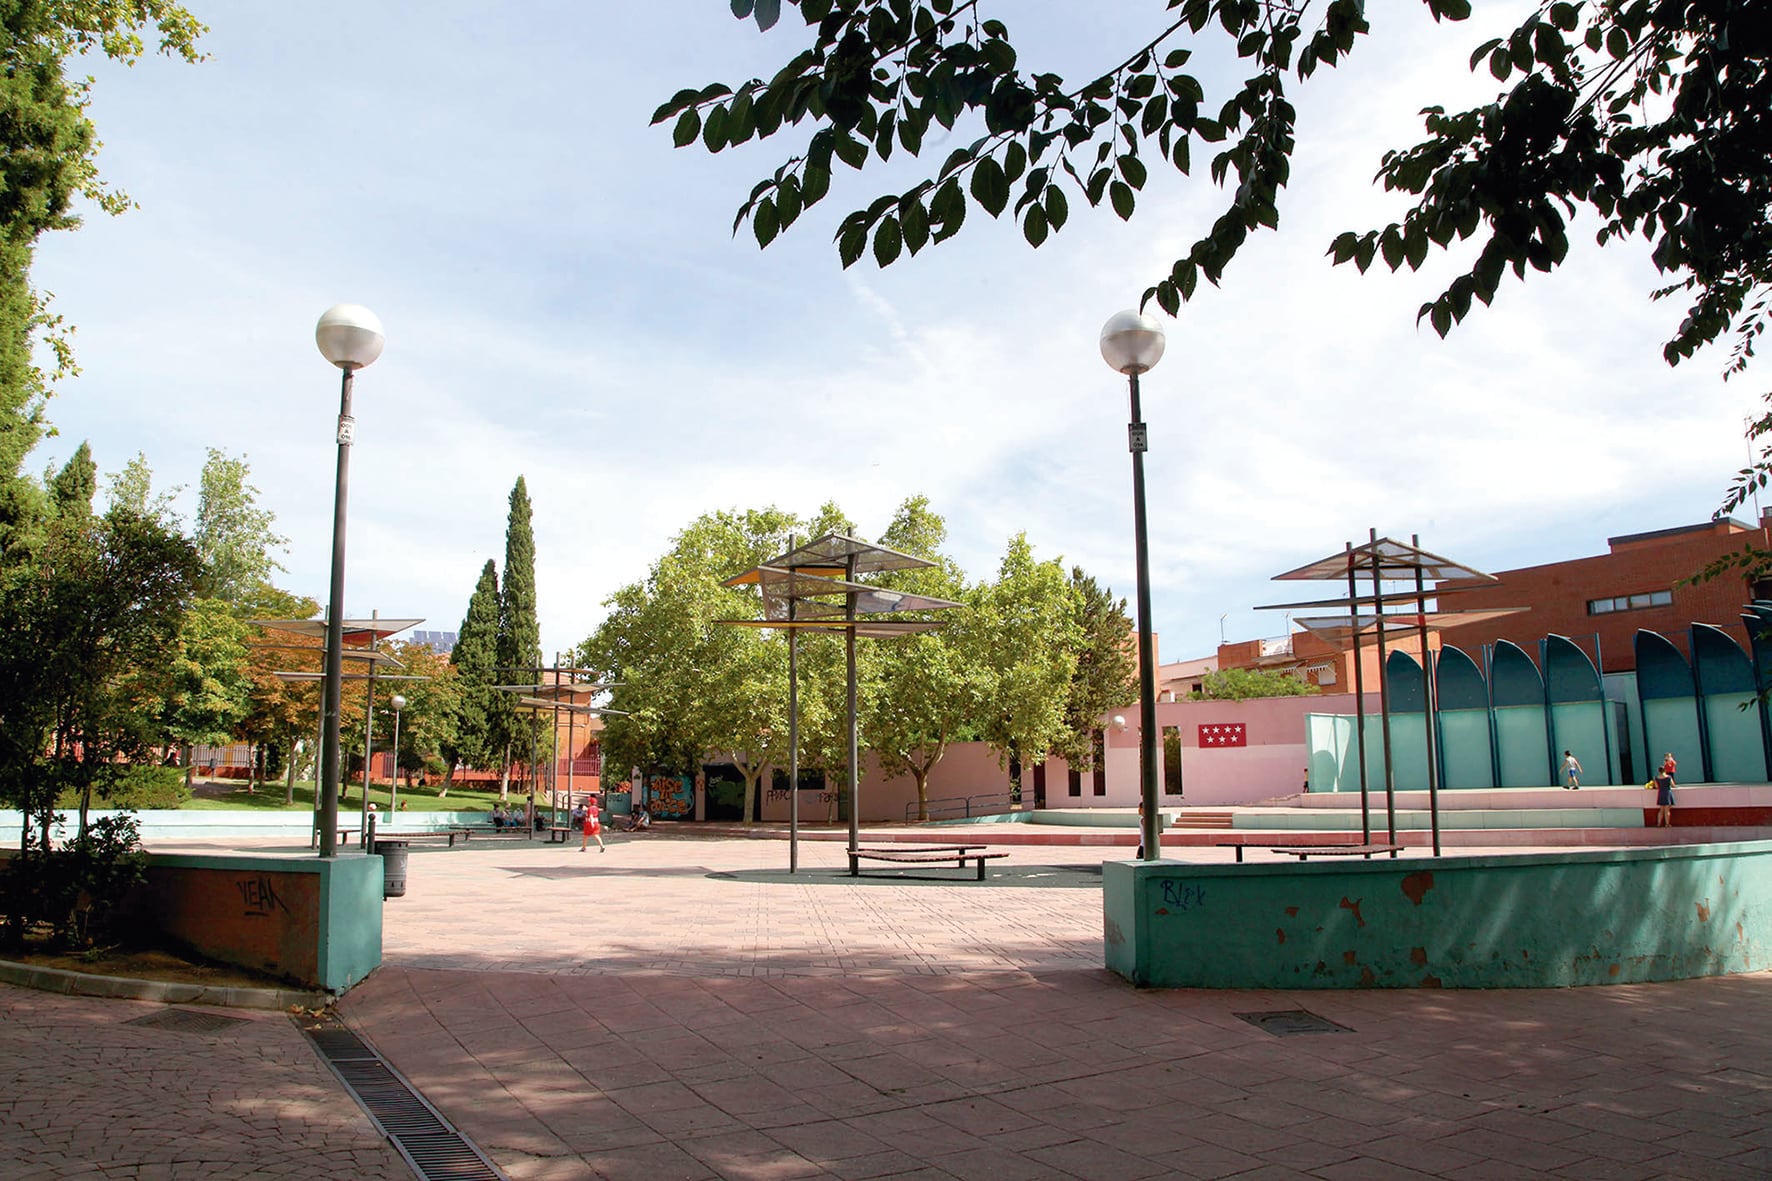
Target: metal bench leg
(980, 861)
(1239, 854)
(854, 866)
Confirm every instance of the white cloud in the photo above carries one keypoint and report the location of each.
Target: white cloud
(565, 301)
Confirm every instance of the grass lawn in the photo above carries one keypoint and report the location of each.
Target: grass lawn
(229, 795)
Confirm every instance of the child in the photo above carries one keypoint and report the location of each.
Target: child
(593, 827)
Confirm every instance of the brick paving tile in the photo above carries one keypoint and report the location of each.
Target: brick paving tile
(750, 1025)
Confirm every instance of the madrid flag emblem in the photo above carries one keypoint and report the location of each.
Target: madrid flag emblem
(1224, 734)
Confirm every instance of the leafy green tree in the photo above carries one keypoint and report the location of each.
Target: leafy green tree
(208, 686)
(692, 687)
(519, 632)
(280, 713)
(48, 154)
(132, 488)
(1241, 684)
(71, 490)
(428, 723)
(1107, 669)
(1023, 634)
(473, 739)
(234, 536)
(923, 691)
(95, 611)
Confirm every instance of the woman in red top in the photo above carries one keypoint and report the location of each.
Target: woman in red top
(1668, 766)
(593, 826)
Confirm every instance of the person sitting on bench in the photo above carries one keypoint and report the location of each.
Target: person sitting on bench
(640, 820)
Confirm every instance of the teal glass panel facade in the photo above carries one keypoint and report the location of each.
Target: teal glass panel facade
(1578, 714)
(1467, 743)
(1730, 711)
(1670, 706)
(1522, 745)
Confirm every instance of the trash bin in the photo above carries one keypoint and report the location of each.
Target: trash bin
(393, 867)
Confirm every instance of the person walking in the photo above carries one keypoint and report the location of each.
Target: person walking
(1571, 771)
(593, 827)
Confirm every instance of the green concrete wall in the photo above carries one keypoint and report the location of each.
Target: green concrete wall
(323, 930)
(1524, 751)
(1522, 921)
(1737, 755)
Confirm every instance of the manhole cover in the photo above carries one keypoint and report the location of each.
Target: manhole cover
(188, 1021)
(1286, 1022)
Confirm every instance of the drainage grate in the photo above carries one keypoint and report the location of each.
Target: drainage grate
(430, 1144)
(1286, 1022)
(188, 1021)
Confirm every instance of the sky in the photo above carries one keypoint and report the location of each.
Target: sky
(564, 300)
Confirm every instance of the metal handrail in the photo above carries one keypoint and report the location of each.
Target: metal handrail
(999, 801)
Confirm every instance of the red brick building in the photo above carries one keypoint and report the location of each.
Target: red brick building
(1637, 584)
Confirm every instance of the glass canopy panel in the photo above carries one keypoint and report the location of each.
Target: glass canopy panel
(1395, 559)
(357, 632)
(835, 549)
(876, 627)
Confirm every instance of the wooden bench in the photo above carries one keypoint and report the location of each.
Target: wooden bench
(419, 834)
(1306, 851)
(561, 833)
(345, 832)
(924, 855)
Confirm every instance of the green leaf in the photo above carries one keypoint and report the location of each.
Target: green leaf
(1057, 208)
(713, 131)
(1132, 169)
(678, 101)
(914, 223)
(851, 151)
(765, 222)
(1120, 194)
(688, 127)
(851, 241)
(888, 241)
(948, 207)
(990, 187)
(1618, 43)
(768, 12)
(1034, 226)
(1500, 63)
(814, 184)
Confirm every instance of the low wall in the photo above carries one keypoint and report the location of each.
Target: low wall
(1546, 920)
(315, 922)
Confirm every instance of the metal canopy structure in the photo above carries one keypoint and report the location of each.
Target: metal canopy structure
(796, 588)
(556, 697)
(361, 637)
(1381, 560)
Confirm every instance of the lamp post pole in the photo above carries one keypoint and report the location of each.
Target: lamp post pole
(399, 703)
(1132, 344)
(350, 336)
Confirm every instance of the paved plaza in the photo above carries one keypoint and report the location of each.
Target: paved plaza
(684, 1008)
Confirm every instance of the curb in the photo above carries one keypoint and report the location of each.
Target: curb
(166, 992)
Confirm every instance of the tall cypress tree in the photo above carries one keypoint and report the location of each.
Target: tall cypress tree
(475, 658)
(519, 626)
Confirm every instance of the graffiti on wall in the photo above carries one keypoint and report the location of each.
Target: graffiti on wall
(669, 797)
(258, 896)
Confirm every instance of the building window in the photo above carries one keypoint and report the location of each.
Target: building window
(1171, 760)
(1099, 782)
(1076, 782)
(1637, 602)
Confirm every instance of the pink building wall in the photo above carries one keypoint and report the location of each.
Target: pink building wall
(1270, 765)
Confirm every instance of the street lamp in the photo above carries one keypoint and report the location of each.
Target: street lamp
(350, 336)
(399, 703)
(1132, 343)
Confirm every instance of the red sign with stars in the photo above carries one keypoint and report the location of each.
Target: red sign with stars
(1224, 734)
